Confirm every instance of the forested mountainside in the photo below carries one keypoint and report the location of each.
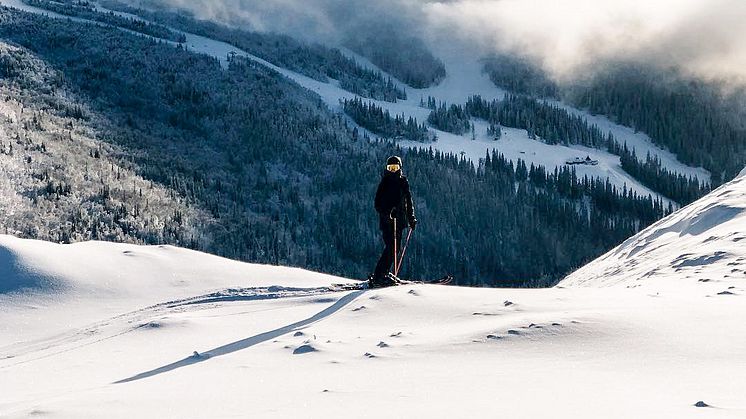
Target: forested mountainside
(313, 60)
(86, 10)
(550, 123)
(692, 118)
(519, 75)
(256, 168)
(380, 121)
(402, 55)
(59, 182)
(554, 125)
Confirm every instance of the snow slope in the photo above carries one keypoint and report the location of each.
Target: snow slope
(120, 277)
(108, 330)
(515, 144)
(464, 79)
(637, 140)
(697, 245)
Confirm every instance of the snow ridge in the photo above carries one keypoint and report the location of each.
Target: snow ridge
(698, 243)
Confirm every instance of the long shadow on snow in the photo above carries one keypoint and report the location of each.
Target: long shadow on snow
(248, 342)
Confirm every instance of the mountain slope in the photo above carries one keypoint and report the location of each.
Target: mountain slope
(110, 278)
(132, 331)
(698, 243)
(464, 78)
(274, 176)
(60, 180)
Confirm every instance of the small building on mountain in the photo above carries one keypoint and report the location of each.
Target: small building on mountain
(586, 161)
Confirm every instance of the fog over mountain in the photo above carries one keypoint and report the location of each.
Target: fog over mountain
(700, 37)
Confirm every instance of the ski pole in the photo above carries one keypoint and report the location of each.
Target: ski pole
(396, 268)
(403, 251)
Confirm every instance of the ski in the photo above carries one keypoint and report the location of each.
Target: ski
(445, 280)
(364, 285)
(353, 286)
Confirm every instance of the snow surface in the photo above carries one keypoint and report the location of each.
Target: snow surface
(111, 330)
(699, 244)
(464, 79)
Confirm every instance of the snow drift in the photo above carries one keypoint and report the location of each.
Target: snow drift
(55, 282)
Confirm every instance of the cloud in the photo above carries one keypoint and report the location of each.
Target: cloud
(567, 38)
(702, 37)
(325, 20)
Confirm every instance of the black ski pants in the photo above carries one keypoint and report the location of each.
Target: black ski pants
(387, 257)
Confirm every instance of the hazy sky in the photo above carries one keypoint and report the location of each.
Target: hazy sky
(704, 37)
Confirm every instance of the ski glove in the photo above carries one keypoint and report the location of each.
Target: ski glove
(412, 223)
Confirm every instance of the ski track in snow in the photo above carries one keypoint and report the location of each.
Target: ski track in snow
(465, 78)
(146, 318)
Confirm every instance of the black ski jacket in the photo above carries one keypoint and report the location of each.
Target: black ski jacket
(393, 198)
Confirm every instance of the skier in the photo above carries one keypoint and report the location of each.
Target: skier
(395, 211)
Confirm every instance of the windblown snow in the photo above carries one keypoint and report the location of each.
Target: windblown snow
(112, 330)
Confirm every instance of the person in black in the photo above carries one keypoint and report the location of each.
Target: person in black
(394, 206)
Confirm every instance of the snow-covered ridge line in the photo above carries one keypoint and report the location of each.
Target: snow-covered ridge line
(698, 243)
(464, 79)
(49, 269)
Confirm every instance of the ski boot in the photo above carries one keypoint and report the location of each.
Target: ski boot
(388, 280)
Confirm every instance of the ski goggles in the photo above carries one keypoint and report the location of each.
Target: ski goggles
(393, 167)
